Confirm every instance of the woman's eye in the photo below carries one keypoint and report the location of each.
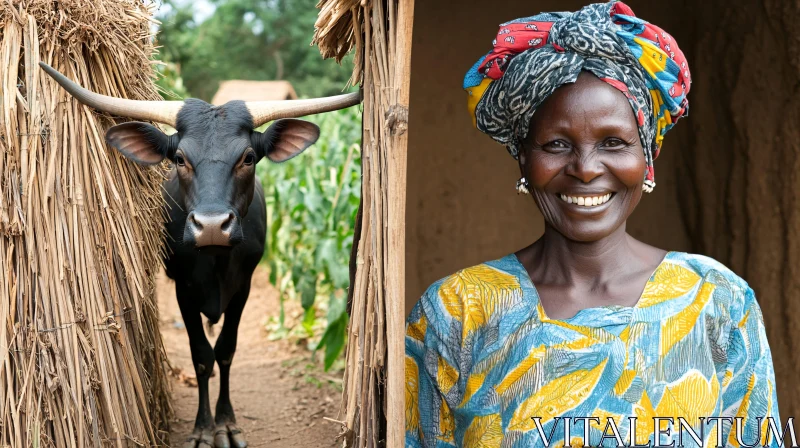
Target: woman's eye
(556, 145)
(614, 143)
(249, 159)
(179, 160)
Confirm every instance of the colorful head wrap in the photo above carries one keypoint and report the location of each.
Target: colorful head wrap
(534, 56)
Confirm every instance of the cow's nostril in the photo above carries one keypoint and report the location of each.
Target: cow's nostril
(226, 225)
(195, 222)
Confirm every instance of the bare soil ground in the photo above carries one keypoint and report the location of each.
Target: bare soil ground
(280, 395)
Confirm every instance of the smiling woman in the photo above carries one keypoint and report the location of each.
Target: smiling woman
(587, 323)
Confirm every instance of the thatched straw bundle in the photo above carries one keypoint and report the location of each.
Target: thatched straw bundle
(373, 388)
(339, 28)
(81, 359)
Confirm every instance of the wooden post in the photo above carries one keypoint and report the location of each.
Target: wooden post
(373, 396)
(395, 281)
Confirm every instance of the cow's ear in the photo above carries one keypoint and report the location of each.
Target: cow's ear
(141, 142)
(285, 139)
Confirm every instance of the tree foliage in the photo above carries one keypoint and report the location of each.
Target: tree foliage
(251, 40)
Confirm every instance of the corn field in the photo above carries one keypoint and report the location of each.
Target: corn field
(312, 201)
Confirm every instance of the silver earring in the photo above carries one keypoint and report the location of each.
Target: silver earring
(522, 186)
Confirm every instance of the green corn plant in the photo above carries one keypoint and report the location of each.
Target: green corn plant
(312, 201)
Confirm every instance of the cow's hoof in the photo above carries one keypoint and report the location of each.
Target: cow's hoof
(200, 438)
(227, 436)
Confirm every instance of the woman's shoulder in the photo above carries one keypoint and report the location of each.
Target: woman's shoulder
(708, 268)
(728, 289)
(490, 278)
(500, 272)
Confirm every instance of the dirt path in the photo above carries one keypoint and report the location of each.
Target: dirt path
(280, 396)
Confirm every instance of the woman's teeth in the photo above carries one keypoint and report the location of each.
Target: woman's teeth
(586, 201)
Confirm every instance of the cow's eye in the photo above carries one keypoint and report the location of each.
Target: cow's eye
(179, 160)
(249, 159)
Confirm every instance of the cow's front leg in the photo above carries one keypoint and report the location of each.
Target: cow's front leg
(203, 360)
(227, 434)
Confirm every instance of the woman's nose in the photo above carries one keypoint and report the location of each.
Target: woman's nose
(585, 167)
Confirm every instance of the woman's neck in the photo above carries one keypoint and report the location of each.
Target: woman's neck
(557, 259)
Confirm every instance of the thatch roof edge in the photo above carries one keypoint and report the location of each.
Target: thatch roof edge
(339, 29)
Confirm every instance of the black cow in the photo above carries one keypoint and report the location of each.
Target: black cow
(217, 214)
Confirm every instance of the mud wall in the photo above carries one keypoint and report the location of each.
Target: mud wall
(738, 162)
(726, 178)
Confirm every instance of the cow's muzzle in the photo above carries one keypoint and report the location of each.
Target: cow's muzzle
(213, 228)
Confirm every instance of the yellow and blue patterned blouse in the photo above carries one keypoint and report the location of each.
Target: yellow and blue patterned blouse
(483, 359)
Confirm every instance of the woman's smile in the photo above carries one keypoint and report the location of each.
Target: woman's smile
(586, 201)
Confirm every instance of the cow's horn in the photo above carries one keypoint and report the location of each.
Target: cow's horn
(264, 111)
(165, 112)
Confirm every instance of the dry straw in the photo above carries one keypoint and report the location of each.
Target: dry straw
(81, 358)
(372, 408)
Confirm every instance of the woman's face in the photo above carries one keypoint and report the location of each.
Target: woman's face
(583, 159)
